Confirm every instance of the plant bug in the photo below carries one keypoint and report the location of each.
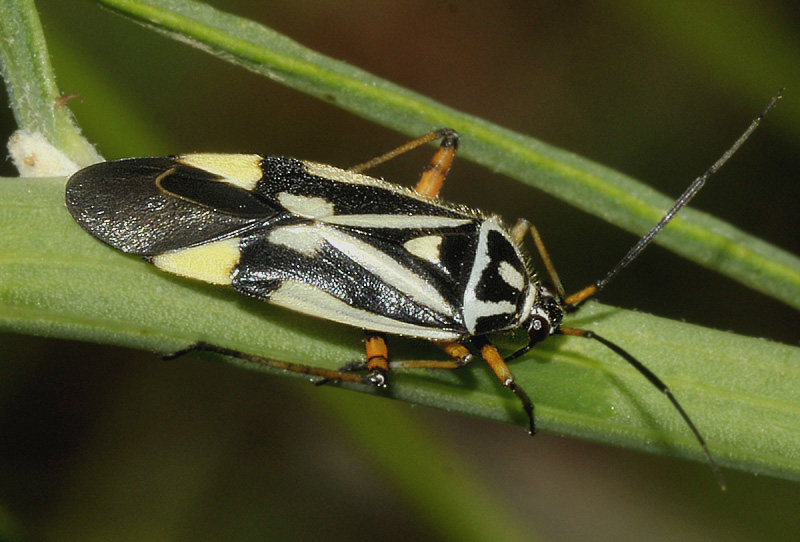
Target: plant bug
(346, 247)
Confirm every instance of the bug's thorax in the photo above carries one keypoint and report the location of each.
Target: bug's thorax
(501, 293)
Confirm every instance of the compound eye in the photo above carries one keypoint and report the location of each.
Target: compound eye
(539, 330)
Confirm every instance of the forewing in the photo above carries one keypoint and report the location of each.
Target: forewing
(148, 206)
(317, 190)
(369, 279)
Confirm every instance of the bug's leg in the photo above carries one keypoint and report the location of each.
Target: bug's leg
(430, 183)
(506, 377)
(179, 353)
(376, 362)
(459, 353)
(376, 353)
(518, 232)
(545, 256)
(462, 356)
(325, 374)
(377, 359)
(432, 178)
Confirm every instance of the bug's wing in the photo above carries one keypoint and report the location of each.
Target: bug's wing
(313, 190)
(357, 250)
(148, 206)
(372, 280)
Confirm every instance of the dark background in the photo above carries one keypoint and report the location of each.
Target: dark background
(108, 444)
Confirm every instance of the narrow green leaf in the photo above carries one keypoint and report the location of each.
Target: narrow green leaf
(57, 281)
(721, 53)
(584, 184)
(31, 83)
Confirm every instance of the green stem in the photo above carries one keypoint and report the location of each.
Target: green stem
(32, 90)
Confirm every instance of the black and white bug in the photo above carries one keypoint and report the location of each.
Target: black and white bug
(343, 246)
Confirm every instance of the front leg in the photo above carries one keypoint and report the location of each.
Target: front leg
(462, 356)
(495, 360)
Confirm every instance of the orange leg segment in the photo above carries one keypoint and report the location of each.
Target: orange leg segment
(377, 365)
(581, 296)
(506, 377)
(460, 354)
(433, 177)
(377, 358)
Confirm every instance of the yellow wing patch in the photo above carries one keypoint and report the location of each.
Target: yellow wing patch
(428, 247)
(242, 170)
(212, 263)
(309, 207)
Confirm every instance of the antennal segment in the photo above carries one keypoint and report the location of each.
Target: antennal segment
(658, 383)
(685, 198)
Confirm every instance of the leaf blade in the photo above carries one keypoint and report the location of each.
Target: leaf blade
(57, 281)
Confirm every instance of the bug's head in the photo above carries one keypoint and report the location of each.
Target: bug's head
(544, 318)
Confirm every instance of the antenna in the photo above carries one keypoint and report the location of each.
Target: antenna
(575, 299)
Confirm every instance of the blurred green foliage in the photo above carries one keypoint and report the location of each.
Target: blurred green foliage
(101, 443)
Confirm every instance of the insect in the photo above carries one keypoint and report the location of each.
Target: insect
(343, 246)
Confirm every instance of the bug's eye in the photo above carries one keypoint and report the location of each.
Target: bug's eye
(538, 330)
